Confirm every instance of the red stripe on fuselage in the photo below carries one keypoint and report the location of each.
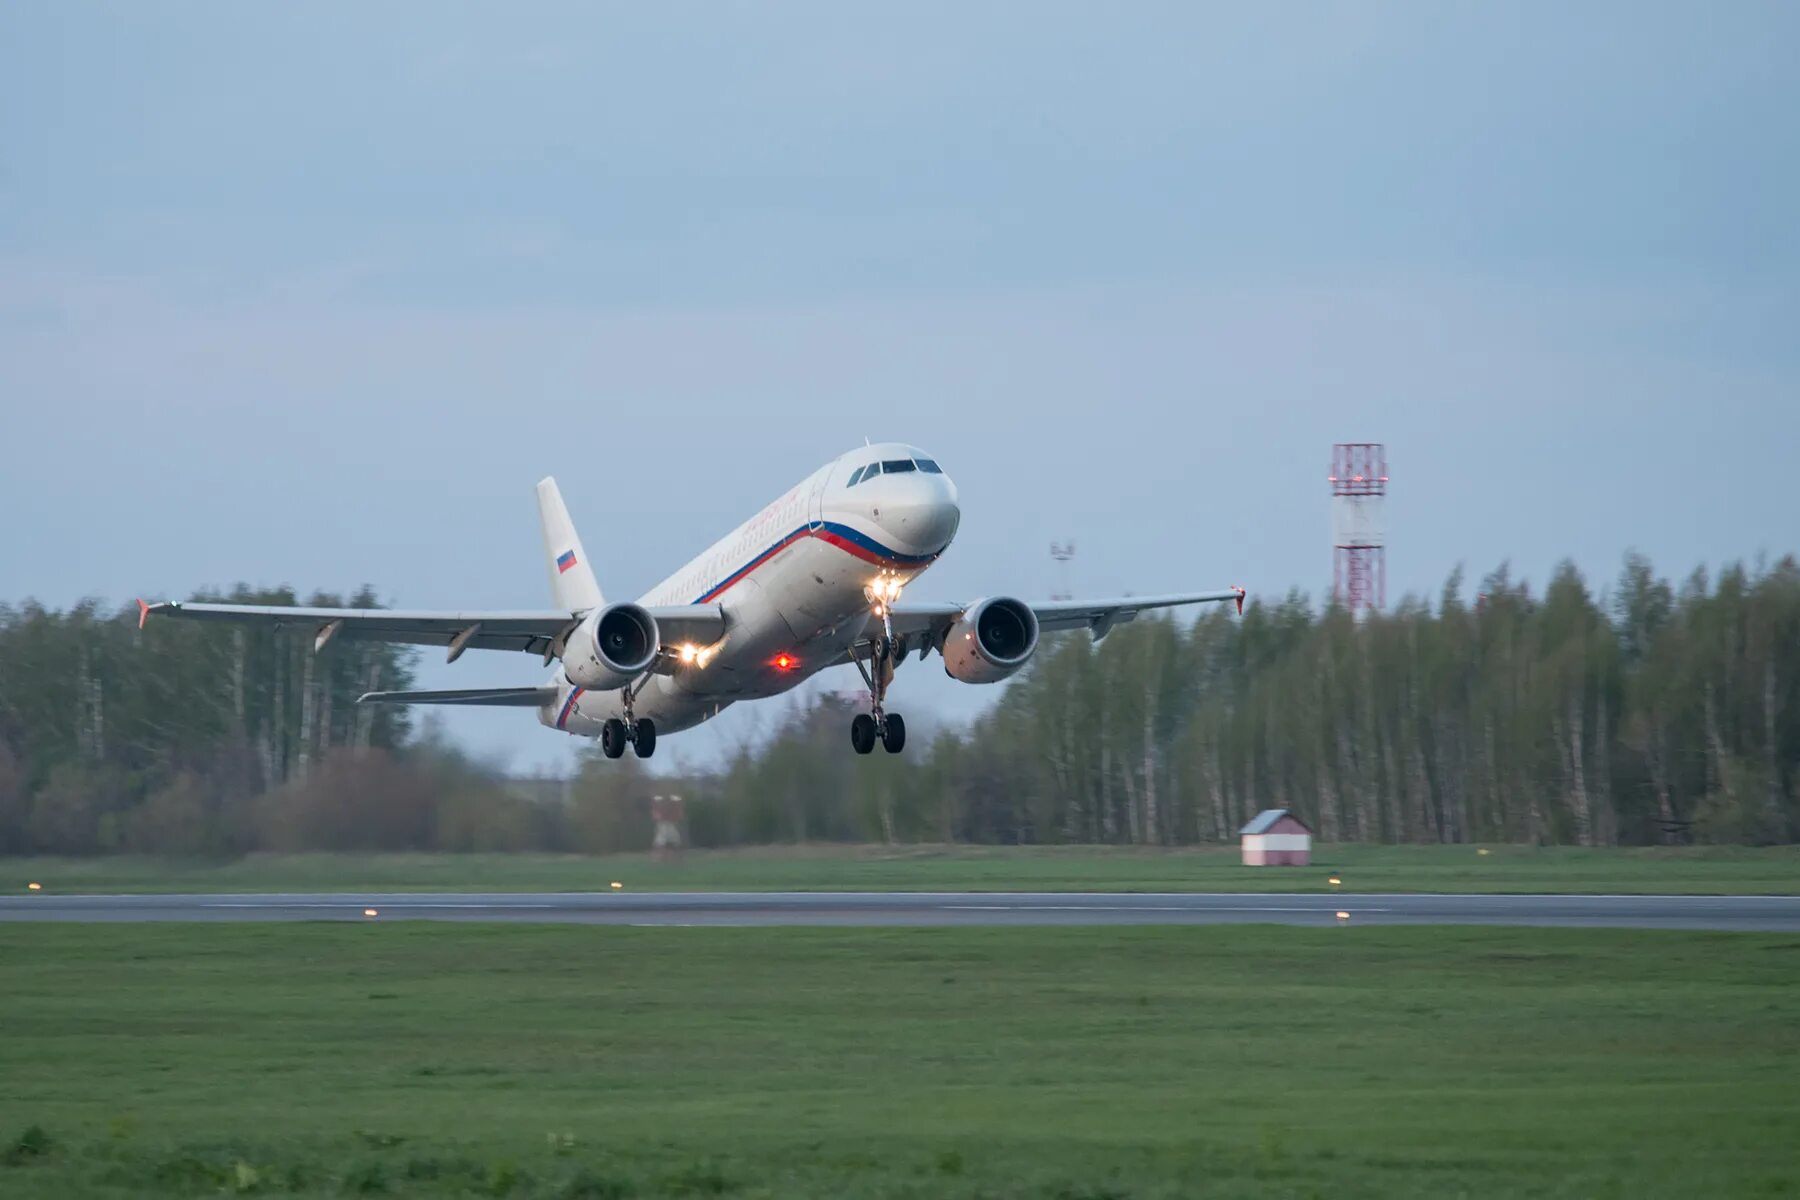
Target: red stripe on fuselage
(862, 552)
(750, 566)
(562, 718)
(824, 535)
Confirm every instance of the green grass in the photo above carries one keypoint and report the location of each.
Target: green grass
(549, 1061)
(1721, 869)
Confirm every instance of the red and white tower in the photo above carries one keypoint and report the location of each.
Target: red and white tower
(1359, 481)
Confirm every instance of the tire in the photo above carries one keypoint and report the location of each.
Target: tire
(612, 737)
(646, 738)
(893, 738)
(862, 733)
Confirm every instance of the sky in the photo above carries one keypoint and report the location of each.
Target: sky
(314, 294)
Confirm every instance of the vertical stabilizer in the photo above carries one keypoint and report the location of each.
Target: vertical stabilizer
(572, 582)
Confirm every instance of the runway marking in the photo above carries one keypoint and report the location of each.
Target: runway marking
(1130, 908)
(400, 897)
(391, 904)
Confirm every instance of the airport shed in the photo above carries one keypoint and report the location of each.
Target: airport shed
(1276, 838)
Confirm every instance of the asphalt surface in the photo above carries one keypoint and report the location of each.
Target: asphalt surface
(1764, 913)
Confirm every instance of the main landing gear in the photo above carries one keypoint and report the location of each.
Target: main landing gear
(866, 728)
(640, 732)
(878, 723)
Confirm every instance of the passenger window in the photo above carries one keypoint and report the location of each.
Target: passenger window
(929, 467)
(897, 466)
(855, 477)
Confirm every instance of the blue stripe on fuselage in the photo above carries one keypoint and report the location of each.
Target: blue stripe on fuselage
(842, 536)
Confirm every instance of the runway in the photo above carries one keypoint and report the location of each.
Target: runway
(1758, 913)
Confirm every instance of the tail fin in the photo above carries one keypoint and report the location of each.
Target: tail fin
(572, 582)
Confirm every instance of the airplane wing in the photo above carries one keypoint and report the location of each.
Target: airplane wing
(927, 623)
(534, 632)
(521, 697)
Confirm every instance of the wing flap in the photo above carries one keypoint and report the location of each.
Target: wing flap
(1098, 616)
(1101, 615)
(525, 697)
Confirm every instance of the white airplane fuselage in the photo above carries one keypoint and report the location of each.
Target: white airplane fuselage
(794, 584)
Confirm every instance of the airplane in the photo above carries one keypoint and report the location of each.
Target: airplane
(813, 581)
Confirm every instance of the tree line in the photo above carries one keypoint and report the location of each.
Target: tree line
(116, 738)
(1648, 713)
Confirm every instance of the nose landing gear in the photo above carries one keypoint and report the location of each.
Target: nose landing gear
(878, 723)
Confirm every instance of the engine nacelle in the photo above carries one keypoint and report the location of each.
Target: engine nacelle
(991, 640)
(614, 646)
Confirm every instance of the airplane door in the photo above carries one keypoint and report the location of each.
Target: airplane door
(809, 609)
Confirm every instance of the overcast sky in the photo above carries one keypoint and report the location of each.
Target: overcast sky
(315, 293)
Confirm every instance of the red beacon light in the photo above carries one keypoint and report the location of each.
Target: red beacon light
(784, 662)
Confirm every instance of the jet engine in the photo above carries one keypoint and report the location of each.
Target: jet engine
(614, 646)
(991, 640)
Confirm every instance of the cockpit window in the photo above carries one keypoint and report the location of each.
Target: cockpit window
(896, 466)
(929, 467)
(855, 477)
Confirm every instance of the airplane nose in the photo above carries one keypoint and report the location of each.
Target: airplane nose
(924, 515)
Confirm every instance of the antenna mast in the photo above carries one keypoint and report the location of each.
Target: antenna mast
(1359, 482)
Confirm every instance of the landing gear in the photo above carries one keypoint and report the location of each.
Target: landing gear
(878, 723)
(612, 737)
(640, 733)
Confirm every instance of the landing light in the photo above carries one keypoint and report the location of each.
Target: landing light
(687, 652)
(885, 587)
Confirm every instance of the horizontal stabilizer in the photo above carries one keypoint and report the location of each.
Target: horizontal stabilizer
(520, 697)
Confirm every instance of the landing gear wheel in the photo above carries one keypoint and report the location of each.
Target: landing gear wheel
(645, 741)
(862, 733)
(893, 734)
(612, 737)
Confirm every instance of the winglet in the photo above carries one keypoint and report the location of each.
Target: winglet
(1240, 599)
(145, 608)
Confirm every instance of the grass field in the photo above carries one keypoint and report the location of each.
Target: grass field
(1062, 1064)
(1717, 870)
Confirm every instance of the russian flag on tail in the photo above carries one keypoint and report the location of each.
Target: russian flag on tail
(564, 561)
